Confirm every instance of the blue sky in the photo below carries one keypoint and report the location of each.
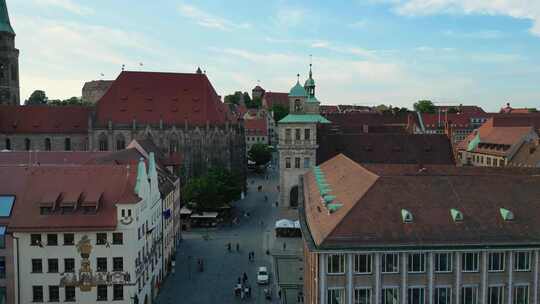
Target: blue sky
(364, 51)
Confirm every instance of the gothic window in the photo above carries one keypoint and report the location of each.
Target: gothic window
(8, 144)
(173, 145)
(27, 144)
(120, 142)
(47, 144)
(67, 144)
(2, 70)
(14, 75)
(103, 143)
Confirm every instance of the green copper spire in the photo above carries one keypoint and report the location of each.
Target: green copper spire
(297, 90)
(5, 25)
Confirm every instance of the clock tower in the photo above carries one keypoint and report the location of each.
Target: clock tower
(9, 60)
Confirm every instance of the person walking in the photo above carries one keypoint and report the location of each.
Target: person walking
(237, 247)
(244, 278)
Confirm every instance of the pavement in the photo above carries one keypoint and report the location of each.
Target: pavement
(222, 268)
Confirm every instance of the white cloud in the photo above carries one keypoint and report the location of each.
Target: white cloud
(67, 5)
(484, 34)
(290, 17)
(205, 19)
(520, 9)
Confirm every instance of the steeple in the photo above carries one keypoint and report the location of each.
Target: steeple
(5, 25)
(309, 85)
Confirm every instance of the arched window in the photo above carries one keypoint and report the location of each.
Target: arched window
(8, 144)
(103, 143)
(120, 142)
(47, 144)
(173, 145)
(67, 144)
(27, 144)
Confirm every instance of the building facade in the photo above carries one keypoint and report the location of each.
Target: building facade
(9, 60)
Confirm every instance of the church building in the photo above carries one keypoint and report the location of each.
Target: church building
(9, 60)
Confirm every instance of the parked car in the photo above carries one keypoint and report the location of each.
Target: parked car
(262, 275)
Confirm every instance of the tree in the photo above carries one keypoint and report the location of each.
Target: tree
(452, 110)
(213, 190)
(424, 106)
(254, 103)
(73, 101)
(232, 98)
(280, 111)
(38, 97)
(261, 154)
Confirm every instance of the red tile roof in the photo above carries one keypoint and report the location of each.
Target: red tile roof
(44, 119)
(173, 97)
(36, 185)
(374, 195)
(272, 98)
(47, 157)
(470, 110)
(458, 120)
(328, 109)
(256, 127)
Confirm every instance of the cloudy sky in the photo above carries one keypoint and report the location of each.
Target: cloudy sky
(364, 51)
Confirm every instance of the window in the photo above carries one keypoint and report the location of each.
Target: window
(69, 265)
(69, 293)
(521, 294)
(52, 265)
(362, 296)
(118, 264)
(102, 292)
(117, 238)
(443, 262)
(307, 134)
(35, 240)
(390, 296)
(390, 263)
(37, 266)
(297, 162)
(416, 295)
(307, 162)
(443, 295)
(27, 147)
(496, 261)
(288, 135)
(69, 239)
(101, 264)
(47, 144)
(336, 263)
(297, 134)
(103, 144)
(288, 162)
(2, 269)
(54, 294)
(2, 237)
(101, 238)
(495, 295)
(67, 144)
(469, 295)
(362, 263)
(121, 144)
(522, 261)
(37, 293)
(118, 292)
(6, 204)
(52, 239)
(417, 262)
(8, 144)
(469, 262)
(336, 296)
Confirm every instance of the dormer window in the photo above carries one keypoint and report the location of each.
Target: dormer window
(457, 216)
(506, 214)
(406, 216)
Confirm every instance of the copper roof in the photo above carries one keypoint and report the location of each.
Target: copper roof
(374, 195)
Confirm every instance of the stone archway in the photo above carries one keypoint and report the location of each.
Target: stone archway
(293, 197)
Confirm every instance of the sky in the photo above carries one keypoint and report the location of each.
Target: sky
(364, 52)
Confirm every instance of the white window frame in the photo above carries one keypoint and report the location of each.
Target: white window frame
(514, 293)
(464, 257)
(356, 300)
(356, 263)
(516, 256)
(410, 258)
(383, 266)
(423, 293)
(450, 257)
(475, 289)
(502, 261)
(448, 295)
(383, 294)
(342, 264)
(501, 295)
(340, 290)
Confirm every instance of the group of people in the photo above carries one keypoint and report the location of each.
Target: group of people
(229, 247)
(242, 288)
(251, 256)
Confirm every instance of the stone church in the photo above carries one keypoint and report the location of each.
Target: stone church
(9, 60)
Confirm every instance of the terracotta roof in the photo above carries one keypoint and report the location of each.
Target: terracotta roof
(356, 122)
(256, 127)
(458, 120)
(387, 148)
(173, 97)
(36, 185)
(48, 157)
(328, 109)
(44, 119)
(272, 98)
(469, 110)
(374, 195)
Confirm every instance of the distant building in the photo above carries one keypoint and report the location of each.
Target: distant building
(509, 110)
(9, 60)
(257, 92)
(380, 234)
(92, 91)
(256, 131)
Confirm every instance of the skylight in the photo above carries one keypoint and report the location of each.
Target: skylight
(406, 216)
(6, 204)
(457, 216)
(506, 214)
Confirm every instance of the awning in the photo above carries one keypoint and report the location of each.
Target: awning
(205, 215)
(284, 223)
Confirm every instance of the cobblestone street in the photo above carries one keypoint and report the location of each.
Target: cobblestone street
(222, 268)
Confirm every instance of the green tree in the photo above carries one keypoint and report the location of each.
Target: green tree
(213, 190)
(254, 103)
(279, 111)
(73, 101)
(452, 110)
(232, 98)
(424, 106)
(259, 153)
(38, 97)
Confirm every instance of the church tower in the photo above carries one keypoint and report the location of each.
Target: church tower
(297, 134)
(9, 60)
